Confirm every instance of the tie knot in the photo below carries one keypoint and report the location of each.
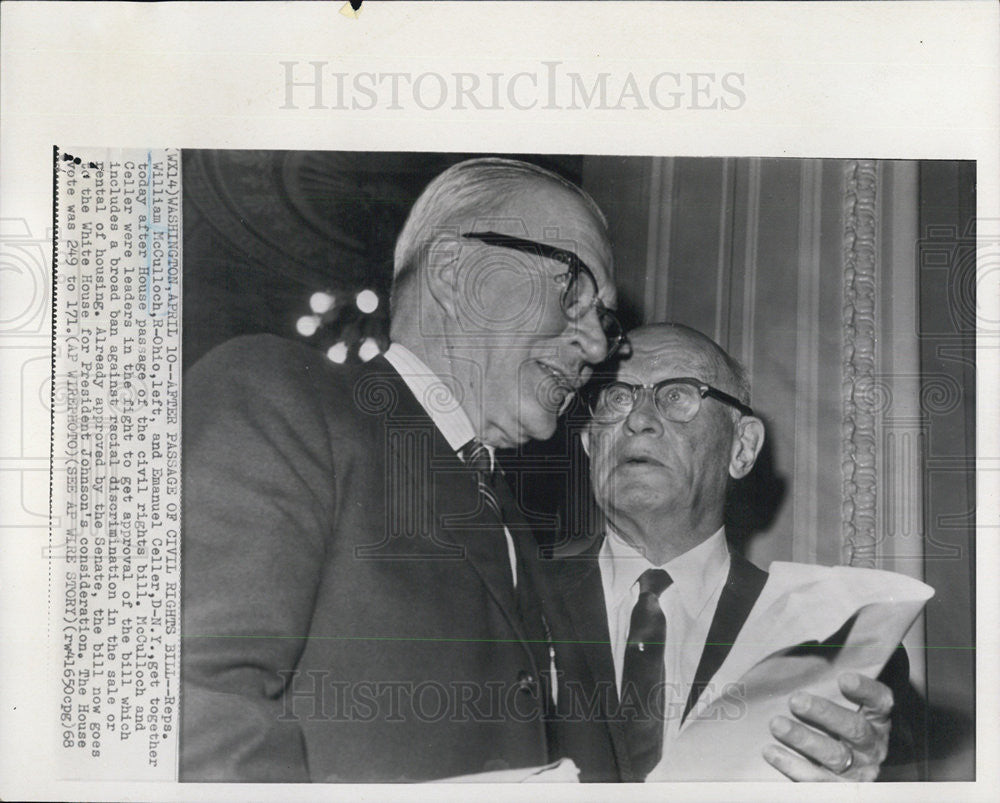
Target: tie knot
(654, 581)
(477, 457)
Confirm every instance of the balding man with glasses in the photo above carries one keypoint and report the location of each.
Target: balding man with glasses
(644, 620)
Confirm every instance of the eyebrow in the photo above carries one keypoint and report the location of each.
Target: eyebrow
(544, 250)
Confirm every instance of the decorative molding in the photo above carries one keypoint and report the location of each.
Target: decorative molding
(805, 499)
(754, 187)
(724, 255)
(858, 447)
(661, 206)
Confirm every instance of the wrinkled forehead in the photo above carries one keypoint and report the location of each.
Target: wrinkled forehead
(548, 213)
(667, 357)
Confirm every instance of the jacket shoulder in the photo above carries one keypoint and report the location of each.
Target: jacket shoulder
(277, 368)
(263, 356)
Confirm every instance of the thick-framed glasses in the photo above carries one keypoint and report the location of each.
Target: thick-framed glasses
(677, 399)
(579, 286)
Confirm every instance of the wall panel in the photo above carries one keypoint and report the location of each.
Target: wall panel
(848, 290)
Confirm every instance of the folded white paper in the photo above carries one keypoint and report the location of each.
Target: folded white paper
(561, 771)
(810, 624)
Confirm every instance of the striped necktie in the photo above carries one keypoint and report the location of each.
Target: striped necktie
(477, 457)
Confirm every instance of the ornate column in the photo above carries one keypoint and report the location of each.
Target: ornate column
(883, 424)
(858, 370)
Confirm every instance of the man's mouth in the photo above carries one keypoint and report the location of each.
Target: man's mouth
(559, 376)
(557, 392)
(640, 460)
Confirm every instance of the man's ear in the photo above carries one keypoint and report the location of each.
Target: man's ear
(748, 438)
(585, 440)
(441, 273)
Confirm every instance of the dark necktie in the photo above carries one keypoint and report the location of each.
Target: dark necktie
(477, 457)
(643, 674)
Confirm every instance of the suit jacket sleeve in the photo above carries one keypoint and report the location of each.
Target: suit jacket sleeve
(258, 489)
(905, 759)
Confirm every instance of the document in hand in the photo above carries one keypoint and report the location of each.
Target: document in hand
(809, 624)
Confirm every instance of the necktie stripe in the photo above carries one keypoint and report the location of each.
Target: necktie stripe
(477, 457)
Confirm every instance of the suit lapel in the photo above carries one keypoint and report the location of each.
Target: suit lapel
(526, 554)
(446, 498)
(742, 588)
(583, 606)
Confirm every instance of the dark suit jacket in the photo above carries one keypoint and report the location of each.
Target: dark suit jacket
(586, 727)
(347, 607)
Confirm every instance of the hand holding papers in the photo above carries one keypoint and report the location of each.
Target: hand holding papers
(830, 742)
(809, 625)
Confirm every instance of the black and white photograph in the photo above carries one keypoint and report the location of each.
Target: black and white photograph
(434, 525)
(399, 396)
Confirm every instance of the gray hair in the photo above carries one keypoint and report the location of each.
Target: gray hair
(467, 189)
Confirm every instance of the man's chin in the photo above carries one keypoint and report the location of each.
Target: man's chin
(634, 490)
(539, 427)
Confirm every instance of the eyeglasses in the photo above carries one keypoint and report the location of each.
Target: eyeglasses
(579, 287)
(676, 400)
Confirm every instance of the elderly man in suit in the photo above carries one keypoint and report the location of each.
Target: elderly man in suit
(358, 591)
(665, 439)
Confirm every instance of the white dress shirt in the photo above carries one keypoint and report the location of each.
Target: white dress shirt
(688, 604)
(444, 410)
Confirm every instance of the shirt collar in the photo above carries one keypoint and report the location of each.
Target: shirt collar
(433, 395)
(695, 574)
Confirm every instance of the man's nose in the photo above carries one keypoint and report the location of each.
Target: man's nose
(586, 333)
(644, 418)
